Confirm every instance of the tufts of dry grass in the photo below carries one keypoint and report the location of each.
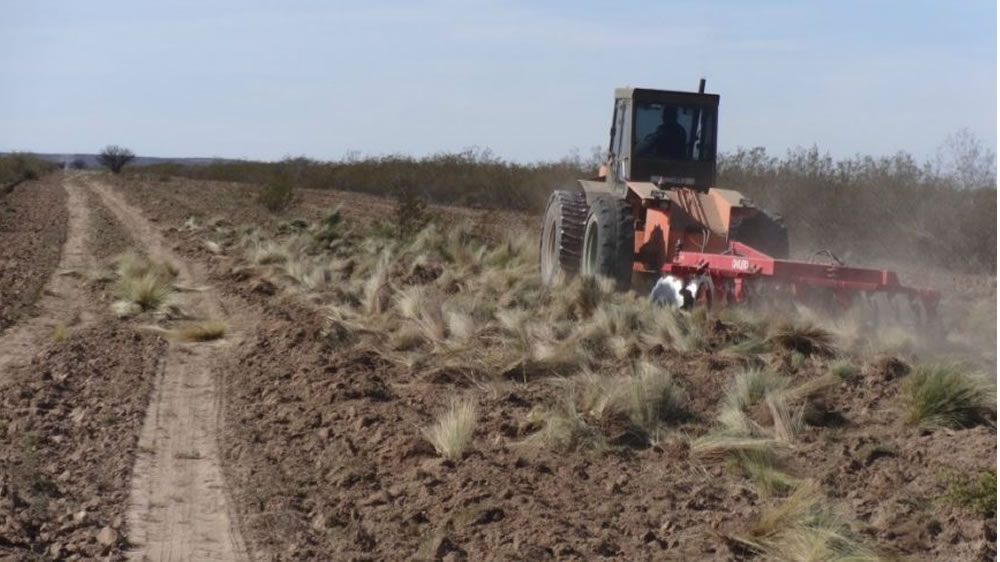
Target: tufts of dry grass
(269, 254)
(765, 469)
(142, 285)
(148, 292)
(650, 397)
(674, 329)
(376, 289)
(451, 432)
(845, 370)
(947, 395)
(59, 333)
(207, 330)
(752, 386)
(759, 450)
(564, 429)
(805, 526)
(803, 337)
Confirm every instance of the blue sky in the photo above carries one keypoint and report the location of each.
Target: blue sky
(530, 80)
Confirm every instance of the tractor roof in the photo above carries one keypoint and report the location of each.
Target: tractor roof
(666, 96)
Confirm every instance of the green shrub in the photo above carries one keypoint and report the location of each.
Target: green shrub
(410, 215)
(17, 167)
(978, 493)
(277, 195)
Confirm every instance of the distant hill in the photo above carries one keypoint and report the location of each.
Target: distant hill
(91, 159)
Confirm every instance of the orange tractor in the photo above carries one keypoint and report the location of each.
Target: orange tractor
(653, 210)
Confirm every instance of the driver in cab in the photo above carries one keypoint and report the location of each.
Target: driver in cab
(669, 140)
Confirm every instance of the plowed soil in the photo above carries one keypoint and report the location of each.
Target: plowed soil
(273, 444)
(33, 223)
(323, 451)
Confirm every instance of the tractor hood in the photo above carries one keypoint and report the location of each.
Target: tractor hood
(712, 208)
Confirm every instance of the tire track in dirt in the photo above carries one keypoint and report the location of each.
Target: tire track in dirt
(64, 302)
(179, 507)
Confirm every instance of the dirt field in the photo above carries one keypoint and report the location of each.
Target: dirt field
(33, 223)
(287, 440)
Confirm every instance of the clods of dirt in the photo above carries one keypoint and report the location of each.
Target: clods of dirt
(69, 423)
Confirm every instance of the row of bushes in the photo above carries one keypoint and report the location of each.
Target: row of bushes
(17, 167)
(473, 178)
(864, 208)
(876, 208)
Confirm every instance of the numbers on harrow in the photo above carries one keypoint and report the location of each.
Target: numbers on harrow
(740, 264)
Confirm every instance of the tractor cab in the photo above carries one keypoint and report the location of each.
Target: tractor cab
(663, 137)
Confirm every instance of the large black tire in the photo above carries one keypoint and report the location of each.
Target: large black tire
(608, 241)
(562, 234)
(765, 232)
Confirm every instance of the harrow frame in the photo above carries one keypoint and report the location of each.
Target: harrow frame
(732, 271)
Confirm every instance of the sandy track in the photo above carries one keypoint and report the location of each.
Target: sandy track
(64, 302)
(179, 508)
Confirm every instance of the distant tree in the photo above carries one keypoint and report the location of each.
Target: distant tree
(78, 164)
(115, 158)
(967, 161)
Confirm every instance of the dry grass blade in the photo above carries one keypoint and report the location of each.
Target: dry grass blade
(719, 447)
(811, 387)
(451, 433)
(785, 424)
(376, 290)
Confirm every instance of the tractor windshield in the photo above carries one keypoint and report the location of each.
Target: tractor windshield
(674, 132)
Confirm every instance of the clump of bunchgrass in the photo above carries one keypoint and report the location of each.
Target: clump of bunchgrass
(269, 253)
(805, 526)
(947, 395)
(803, 337)
(148, 292)
(204, 331)
(669, 328)
(564, 428)
(142, 284)
(59, 333)
(649, 397)
(751, 386)
(451, 432)
(764, 467)
(844, 370)
(376, 288)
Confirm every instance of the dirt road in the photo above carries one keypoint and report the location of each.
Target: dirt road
(178, 506)
(179, 509)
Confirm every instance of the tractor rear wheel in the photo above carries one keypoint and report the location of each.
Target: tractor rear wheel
(562, 234)
(608, 241)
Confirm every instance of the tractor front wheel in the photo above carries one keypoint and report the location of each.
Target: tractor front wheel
(608, 241)
(562, 234)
